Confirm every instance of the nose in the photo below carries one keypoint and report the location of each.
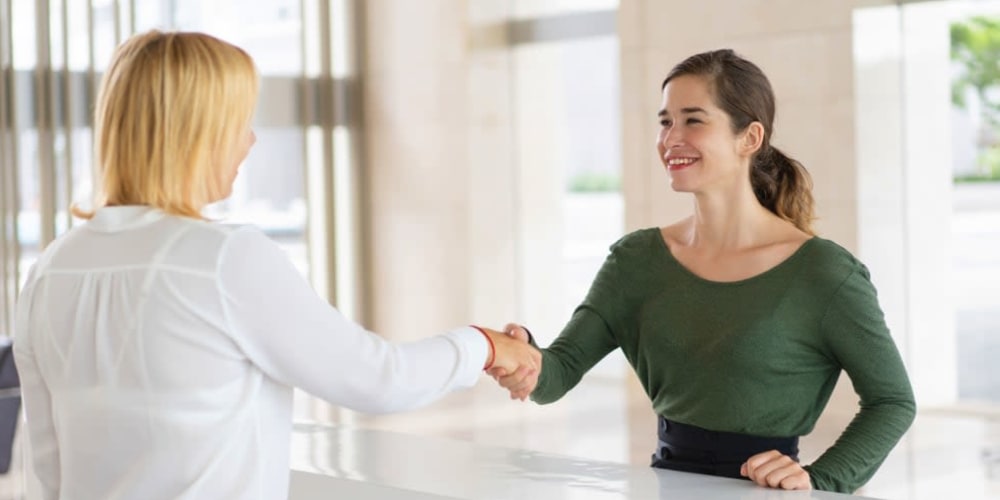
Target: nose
(669, 137)
(674, 136)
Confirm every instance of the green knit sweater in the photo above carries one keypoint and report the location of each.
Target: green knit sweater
(758, 356)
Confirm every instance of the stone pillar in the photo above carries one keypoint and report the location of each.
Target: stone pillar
(416, 66)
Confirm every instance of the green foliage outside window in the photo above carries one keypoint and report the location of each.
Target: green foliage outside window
(975, 47)
(594, 182)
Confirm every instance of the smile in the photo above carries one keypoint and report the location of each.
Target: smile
(679, 163)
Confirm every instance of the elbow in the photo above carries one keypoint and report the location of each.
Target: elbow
(901, 410)
(910, 410)
(907, 408)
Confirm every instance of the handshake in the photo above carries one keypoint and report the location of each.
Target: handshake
(516, 363)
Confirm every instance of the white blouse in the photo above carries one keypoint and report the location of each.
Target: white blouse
(157, 357)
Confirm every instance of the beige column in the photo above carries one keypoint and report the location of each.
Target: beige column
(461, 170)
(491, 165)
(415, 88)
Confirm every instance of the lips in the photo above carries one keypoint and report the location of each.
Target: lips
(680, 162)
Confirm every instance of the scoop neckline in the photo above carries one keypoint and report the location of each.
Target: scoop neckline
(761, 275)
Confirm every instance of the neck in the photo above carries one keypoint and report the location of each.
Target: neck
(729, 219)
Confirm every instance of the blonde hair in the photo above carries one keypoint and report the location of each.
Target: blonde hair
(170, 113)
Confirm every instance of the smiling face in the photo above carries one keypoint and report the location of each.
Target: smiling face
(696, 142)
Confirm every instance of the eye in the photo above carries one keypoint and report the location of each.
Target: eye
(666, 123)
(692, 121)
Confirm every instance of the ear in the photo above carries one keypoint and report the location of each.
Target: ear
(753, 138)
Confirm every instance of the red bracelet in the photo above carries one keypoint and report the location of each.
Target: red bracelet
(493, 348)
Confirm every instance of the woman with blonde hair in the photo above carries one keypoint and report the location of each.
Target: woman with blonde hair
(158, 350)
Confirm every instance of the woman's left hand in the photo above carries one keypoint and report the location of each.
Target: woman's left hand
(776, 470)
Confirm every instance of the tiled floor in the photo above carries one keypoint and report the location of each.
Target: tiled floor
(948, 454)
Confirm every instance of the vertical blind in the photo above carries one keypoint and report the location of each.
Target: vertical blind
(52, 54)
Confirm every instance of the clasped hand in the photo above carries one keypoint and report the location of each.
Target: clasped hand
(519, 380)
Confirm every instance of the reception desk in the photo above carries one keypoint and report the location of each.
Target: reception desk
(358, 464)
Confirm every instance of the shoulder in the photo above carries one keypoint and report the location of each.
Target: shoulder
(249, 244)
(204, 244)
(215, 233)
(45, 259)
(628, 252)
(630, 258)
(638, 240)
(828, 263)
(831, 254)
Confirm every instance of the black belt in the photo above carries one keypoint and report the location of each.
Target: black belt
(690, 448)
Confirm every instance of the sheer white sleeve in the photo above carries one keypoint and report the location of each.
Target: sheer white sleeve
(300, 340)
(37, 399)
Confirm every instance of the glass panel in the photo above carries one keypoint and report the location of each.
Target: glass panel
(23, 30)
(79, 57)
(103, 18)
(975, 142)
(29, 223)
(25, 57)
(929, 218)
(153, 14)
(269, 30)
(56, 31)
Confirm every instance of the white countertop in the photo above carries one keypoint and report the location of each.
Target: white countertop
(348, 463)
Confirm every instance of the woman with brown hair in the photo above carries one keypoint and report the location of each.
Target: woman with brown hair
(737, 319)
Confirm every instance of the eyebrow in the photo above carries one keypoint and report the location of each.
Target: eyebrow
(687, 111)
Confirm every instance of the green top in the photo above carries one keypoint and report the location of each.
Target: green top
(758, 356)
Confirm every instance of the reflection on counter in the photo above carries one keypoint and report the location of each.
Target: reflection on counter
(345, 462)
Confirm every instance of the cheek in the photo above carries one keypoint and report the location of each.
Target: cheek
(718, 142)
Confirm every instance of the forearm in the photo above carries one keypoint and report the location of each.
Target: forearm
(554, 381)
(863, 446)
(855, 330)
(584, 341)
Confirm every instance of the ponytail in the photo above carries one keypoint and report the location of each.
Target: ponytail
(783, 186)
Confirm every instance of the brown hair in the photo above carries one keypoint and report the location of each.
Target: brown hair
(171, 109)
(741, 89)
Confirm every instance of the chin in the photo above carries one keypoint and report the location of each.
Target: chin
(680, 186)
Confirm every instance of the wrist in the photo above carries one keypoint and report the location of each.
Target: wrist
(492, 354)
